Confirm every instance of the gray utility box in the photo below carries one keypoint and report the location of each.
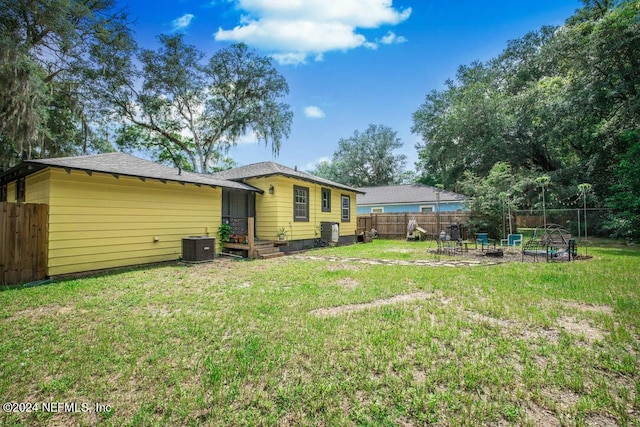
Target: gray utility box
(198, 249)
(330, 232)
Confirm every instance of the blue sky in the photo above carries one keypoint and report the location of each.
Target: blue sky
(349, 63)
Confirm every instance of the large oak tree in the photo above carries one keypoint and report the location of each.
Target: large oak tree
(191, 111)
(366, 159)
(55, 57)
(562, 102)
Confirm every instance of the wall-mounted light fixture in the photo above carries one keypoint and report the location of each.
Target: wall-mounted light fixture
(271, 189)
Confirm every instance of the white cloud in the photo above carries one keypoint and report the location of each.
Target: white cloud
(392, 38)
(182, 23)
(290, 58)
(296, 29)
(313, 112)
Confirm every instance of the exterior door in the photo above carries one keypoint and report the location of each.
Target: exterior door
(237, 207)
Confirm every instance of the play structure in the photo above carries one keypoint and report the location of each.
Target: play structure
(551, 241)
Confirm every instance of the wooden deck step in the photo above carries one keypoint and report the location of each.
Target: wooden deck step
(271, 255)
(267, 250)
(263, 244)
(264, 249)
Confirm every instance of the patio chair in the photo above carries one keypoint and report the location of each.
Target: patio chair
(512, 240)
(483, 240)
(440, 246)
(450, 247)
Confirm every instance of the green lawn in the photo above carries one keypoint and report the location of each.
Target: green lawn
(294, 341)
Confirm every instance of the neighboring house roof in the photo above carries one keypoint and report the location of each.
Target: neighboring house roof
(407, 193)
(264, 169)
(120, 164)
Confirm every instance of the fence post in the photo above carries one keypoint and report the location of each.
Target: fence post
(406, 224)
(251, 237)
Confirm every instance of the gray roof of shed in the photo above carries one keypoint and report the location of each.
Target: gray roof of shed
(125, 165)
(263, 169)
(406, 193)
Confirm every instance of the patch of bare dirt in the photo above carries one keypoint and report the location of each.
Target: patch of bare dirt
(335, 311)
(400, 250)
(601, 421)
(573, 326)
(342, 267)
(605, 309)
(403, 422)
(481, 318)
(348, 283)
(581, 328)
(448, 262)
(42, 311)
(419, 376)
(540, 416)
(549, 334)
(563, 399)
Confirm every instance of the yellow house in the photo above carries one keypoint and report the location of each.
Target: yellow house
(113, 210)
(305, 207)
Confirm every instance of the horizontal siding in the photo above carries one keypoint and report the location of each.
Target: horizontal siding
(121, 260)
(11, 192)
(410, 207)
(270, 208)
(100, 221)
(107, 227)
(276, 210)
(78, 240)
(37, 187)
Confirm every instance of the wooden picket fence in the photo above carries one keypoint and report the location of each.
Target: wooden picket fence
(394, 225)
(23, 242)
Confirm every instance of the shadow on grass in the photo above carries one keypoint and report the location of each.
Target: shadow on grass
(96, 274)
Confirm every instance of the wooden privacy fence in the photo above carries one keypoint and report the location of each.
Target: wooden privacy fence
(23, 242)
(394, 225)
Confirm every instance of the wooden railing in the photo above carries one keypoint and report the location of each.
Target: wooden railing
(250, 247)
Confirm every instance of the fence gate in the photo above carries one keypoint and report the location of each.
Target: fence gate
(23, 242)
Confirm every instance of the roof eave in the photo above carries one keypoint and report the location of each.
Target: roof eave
(20, 171)
(28, 167)
(286, 175)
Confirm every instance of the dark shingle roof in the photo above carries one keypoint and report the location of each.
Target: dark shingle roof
(407, 193)
(262, 169)
(126, 165)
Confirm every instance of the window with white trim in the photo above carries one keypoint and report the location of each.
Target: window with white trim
(300, 203)
(377, 210)
(326, 200)
(346, 208)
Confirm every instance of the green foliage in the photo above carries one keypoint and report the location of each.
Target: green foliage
(366, 159)
(625, 194)
(224, 232)
(559, 101)
(328, 170)
(493, 196)
(282, 231)
(55, 59)
(194, 111)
